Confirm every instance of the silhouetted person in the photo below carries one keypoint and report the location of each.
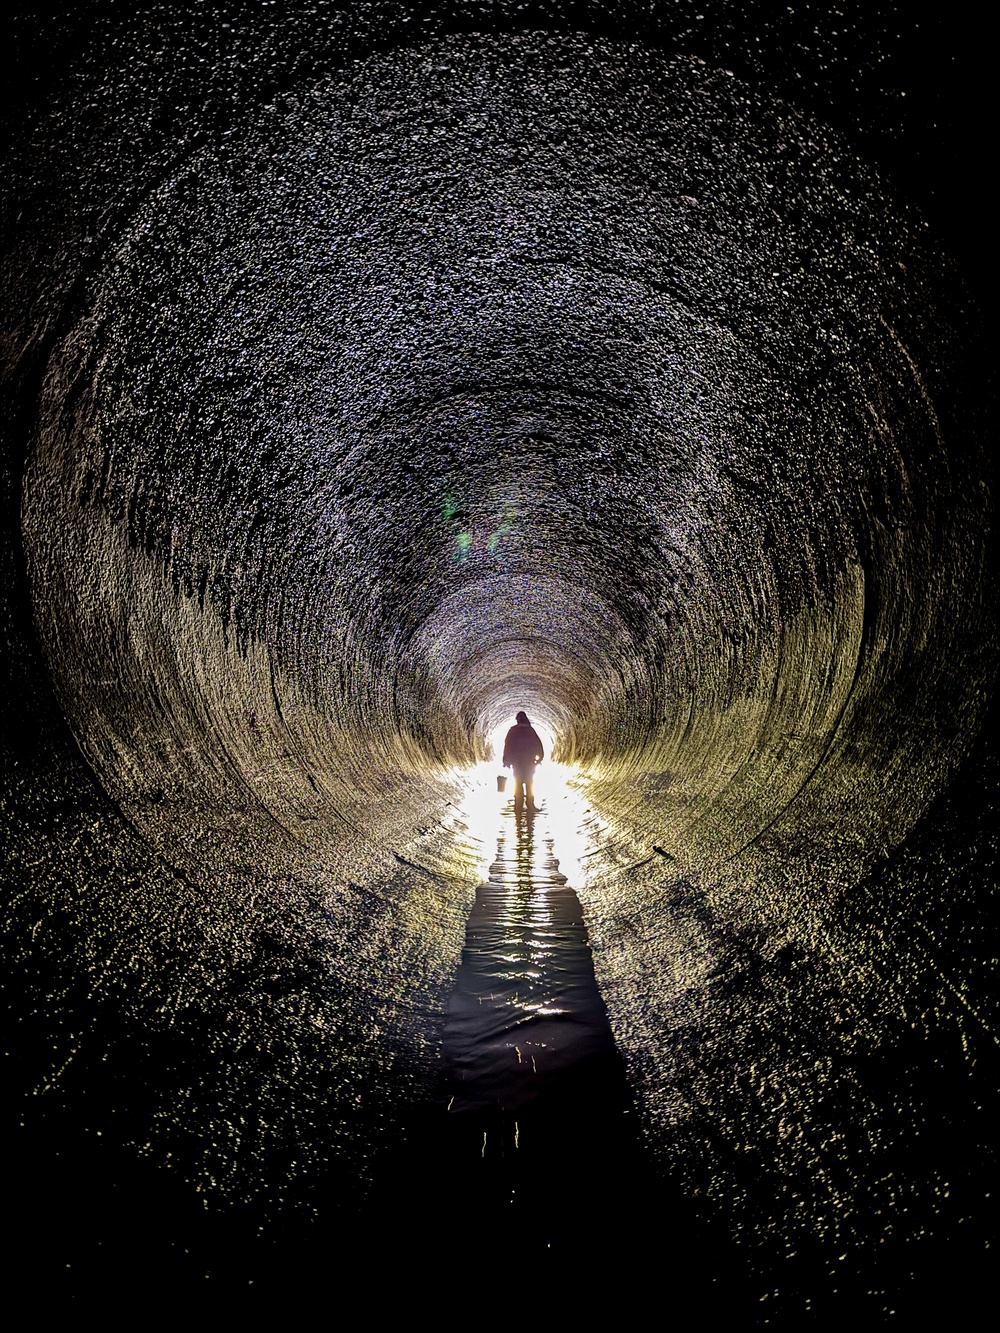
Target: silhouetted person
(522, 751)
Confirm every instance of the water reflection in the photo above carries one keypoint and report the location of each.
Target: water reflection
(531, 1151)
(526, 1023)
(534, 1103)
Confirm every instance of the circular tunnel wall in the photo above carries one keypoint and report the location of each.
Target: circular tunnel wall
(543, 370)
(526, 371)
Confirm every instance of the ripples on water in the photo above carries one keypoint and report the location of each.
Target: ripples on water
(531, 1148)
(527, 1030)
(533, 1087)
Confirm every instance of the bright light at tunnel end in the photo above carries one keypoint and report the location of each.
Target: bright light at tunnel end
(563, 812)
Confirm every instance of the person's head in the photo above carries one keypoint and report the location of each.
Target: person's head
(522, 717)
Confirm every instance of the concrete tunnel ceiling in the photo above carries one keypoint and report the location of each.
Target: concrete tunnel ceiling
(500, 370)
(533, 370)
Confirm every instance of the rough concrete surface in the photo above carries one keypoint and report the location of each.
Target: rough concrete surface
(372, 372)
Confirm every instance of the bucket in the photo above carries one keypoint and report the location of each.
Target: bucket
(501, 782)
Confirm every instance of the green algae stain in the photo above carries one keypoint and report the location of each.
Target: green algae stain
(495, 538)
(455, 518)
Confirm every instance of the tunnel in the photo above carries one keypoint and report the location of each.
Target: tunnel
(373, 373)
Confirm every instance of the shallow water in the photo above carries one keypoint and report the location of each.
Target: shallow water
(532, 1141)
(527, 1030)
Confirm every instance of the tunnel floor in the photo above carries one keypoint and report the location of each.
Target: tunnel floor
(537, 1181)
(528, 1164)
(533, 1079)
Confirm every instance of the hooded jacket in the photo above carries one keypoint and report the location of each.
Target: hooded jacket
(522, 748)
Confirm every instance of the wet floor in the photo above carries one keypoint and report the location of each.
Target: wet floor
(533, 1141)
(532, 1123)
(535, 1087)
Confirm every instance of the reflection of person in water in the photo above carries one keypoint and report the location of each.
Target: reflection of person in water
(522, 750)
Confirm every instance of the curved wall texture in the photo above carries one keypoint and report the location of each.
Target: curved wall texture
(366, 387)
